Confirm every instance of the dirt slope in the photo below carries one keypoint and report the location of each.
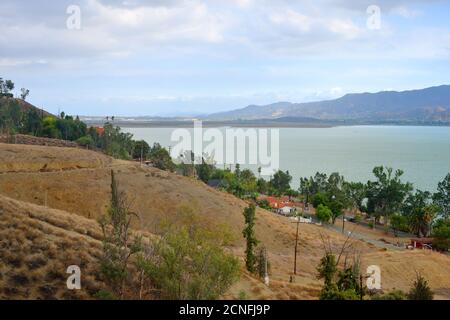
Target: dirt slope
(78, 181)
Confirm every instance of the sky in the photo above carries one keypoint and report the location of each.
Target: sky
(190, 57)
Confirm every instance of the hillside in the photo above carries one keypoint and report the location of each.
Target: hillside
(75, 186)
(37, 244)
(23, 105)
(430, 104)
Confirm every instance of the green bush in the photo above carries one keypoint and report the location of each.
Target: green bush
(323, 213)
(187, 265)
(420, 290)
(264, 204)
(393, 295)
(85, 141)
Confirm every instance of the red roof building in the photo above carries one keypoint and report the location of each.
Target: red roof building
(281, 202)
(99, 130)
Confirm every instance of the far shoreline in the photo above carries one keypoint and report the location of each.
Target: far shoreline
(255, 124)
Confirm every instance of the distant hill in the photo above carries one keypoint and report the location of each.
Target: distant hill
(430, 104)
(23, 105)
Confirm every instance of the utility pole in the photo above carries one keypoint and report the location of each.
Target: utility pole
(343, 222)
(296, 244)
(266, 274)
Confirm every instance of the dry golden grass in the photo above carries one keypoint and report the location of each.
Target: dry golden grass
(157, 195)
(44, 159)
(38, 244)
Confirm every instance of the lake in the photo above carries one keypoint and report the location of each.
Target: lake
(353, 151)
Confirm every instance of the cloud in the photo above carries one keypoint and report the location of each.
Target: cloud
(122, 28)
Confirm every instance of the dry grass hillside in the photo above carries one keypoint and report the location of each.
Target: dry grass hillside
(78, 181)
(37, 244)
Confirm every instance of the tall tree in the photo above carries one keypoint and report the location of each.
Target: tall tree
(386, 194)
(355, 192)
(118, 244)
(249, 235)
(420, 212)
(24, 93)
(442, 197)
(280, 182)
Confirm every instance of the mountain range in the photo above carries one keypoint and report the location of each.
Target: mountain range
(424, 105)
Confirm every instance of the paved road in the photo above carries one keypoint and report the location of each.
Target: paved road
(366, 238)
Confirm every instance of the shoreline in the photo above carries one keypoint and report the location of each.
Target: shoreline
(256, 124)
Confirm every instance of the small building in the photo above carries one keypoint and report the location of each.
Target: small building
(286, 210)
(99, 130)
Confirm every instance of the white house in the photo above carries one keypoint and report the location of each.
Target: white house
(286, 210)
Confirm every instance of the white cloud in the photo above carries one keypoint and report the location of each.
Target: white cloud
(120, 29)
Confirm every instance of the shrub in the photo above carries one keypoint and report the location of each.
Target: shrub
(85, 141)
(187, 264)
(420, 290)
(393, 295)
(323, 213)
(264, 204)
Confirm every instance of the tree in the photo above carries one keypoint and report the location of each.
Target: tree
(264, 204)
(118, 243)
(161, 158)
(442, 197)
(249, 235)
(355, 192)
(398, 223)
(262, 186)
(204, 170)
(280, 182)
(32, 123)
(419, 212)
(327, 270)
(386, 194)
(6, 86)
(248, 181)
(85, 141)
(441, 234)
(141, 149)
(189, 262)
(10, 115)
(320, 198)
(336, 205)
(24, 93)
(116, 143)
(420, 290)
(262, 262)
(323, 213)
(338, 285)
(49, 128)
